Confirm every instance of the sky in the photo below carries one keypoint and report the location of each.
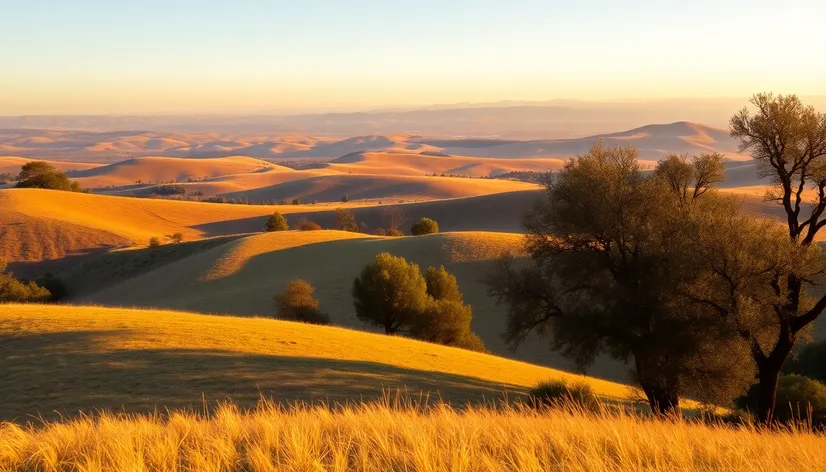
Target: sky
(257, 56)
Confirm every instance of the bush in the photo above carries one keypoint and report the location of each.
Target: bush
(296, 201)
(471, 342)
(796, 395)
(15, 291)
(556, 393)
(346, 221)
(297, 303)
(810, 361)
(154, 242)
(381, 232)
(389, 293)
(57, 289)
(277, 222)
(166, 190)
(424, 226)
(344, 198)
(307, 225)
(394, 232)
(442, 321)
(6, 177)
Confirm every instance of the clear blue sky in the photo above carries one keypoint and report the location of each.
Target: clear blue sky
(98, 56)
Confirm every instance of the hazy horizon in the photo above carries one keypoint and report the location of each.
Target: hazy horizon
(280, 57)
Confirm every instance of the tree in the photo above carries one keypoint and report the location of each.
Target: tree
(7, 177)
(393, 217)
(38, 174)
(297, 303)
(154, 241)
(442, 285)
(296, 201)
(277, 222)
(424, 226)
(344, 198)
(690, 178)
(788, 141)
(389, 293)
(346, 221)
(176, 238)
(15, 291)
(612, 253)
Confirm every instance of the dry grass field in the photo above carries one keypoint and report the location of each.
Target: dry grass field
(63, 359)
(377, 437)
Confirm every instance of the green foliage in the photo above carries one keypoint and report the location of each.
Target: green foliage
(297, 303)
(307, 225)
(389, 293)
(38, 174)
(619, 265)
(394, 232)
(154, 242)
(442, 285)
(15, 291)
(277, 222)
(424, 226)
(559, 393)
(810, 361)
(346, 221)
(799, 399)
(393, 293)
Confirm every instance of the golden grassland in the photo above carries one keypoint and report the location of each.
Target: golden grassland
(61, 359)
(382, 436)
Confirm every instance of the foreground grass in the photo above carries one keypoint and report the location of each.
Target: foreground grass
(379, 437)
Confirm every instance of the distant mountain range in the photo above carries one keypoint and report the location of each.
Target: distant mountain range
(653, 141)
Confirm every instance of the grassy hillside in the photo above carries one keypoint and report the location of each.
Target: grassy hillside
(64, 359)
(242, 277)
(398, 163)
(37, 225)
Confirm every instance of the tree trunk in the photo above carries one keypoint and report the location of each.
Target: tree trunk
(767, 393)
(663, 401)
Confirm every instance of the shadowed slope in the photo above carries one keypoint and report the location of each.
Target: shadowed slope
(64, 359)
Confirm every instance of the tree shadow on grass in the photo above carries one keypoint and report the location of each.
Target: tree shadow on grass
(60, 374)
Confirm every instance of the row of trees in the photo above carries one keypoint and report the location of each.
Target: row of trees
(393, 294)
(345, 220)
(664, 272)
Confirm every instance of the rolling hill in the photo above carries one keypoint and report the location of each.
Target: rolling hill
(62, 359)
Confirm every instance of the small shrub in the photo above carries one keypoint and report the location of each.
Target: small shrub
(797, 397)
(556, 393)
(346, 221)
(297, 303)
(307, 225)
(394, 232)
(424, 226)
(16, 291)
(277, 222)
(381, 232)
(296, 201)
(154, 242)
(345, 198)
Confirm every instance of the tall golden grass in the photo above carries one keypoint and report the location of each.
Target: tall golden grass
(384, 437)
